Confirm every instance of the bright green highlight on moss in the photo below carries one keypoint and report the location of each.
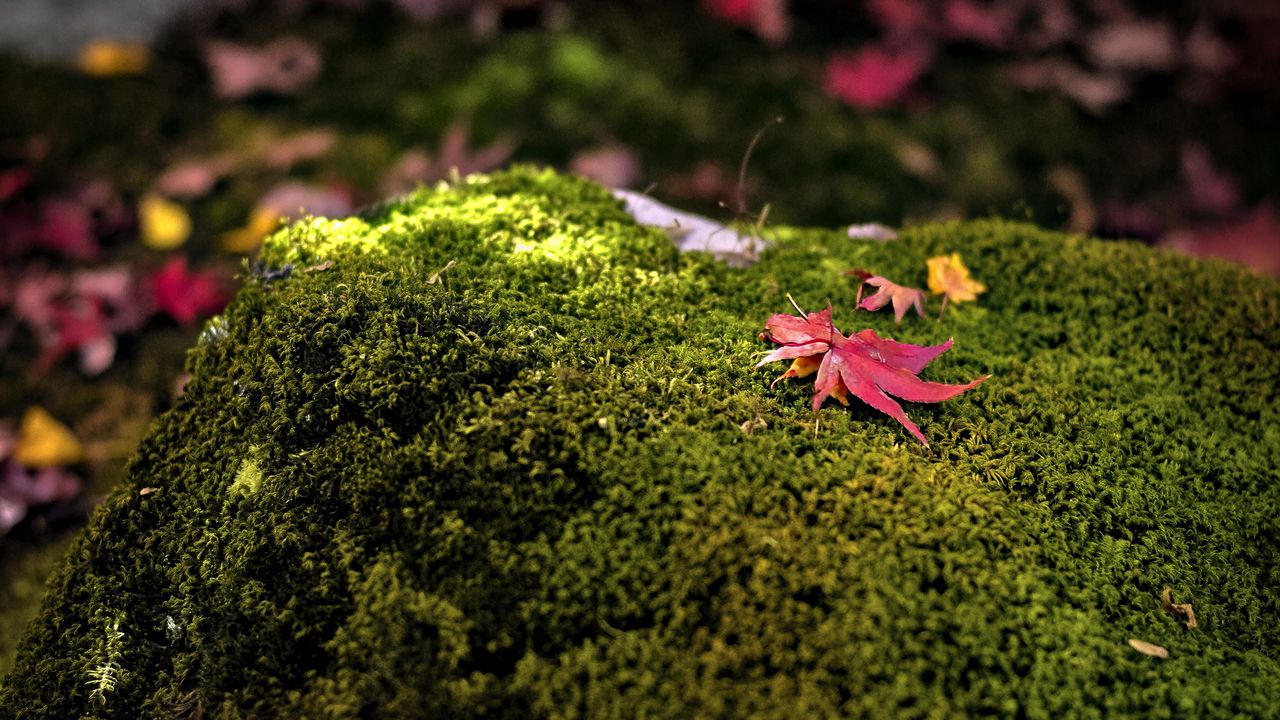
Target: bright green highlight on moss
(248, 478)
(547, 483)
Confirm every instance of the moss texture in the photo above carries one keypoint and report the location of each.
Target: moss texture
(482, 453)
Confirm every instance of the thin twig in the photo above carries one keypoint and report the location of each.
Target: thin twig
(746, 158)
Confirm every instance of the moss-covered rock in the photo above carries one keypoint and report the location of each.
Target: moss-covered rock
(495, 450)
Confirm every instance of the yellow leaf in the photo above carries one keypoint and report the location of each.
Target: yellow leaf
(44, 442)
(261, 223)
(106, 58)
(165, 224)
(949, 276)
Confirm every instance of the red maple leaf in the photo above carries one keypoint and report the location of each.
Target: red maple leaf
(184, 295)
(862, 364)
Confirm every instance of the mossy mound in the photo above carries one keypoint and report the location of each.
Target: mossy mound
(495, 450)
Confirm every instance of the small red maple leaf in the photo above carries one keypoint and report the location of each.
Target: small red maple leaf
(184, 295)
(862, 364)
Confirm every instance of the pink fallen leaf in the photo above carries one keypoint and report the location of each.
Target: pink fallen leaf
(769, 19)
(901, 18)
(306, 145)
(1210, 189)
(1133, 45)
(614, 166)
(294, 199)
(903, 298)
(80, 327)
(35, 294)
(1094, 91)
(1207, 51)
(708, 180)
(22, 488)
(875, 77)
(117, 289)
(990, 24)
(191, 179)
(284, 66)
(184, 295)
(66, 227)
(418, 167)
(1253, 240)
(863, 364)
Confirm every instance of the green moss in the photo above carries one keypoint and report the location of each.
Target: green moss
(522, 486)
(248, 479)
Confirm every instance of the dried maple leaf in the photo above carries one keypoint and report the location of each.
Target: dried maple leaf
(1181, 611)
(949, 277)
(863, 364)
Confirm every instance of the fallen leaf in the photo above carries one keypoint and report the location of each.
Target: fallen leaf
(1133, 45)
(284, 66)
(903, 298)
(79, 325)
(769, 19)
(614, 166)
(1095, 91)
(1207, 51)
(44, 442)
(1181, 611)
(901, 18)
(191, 179)
(1210, 190)
(875, 77)
(21, 488)
(66, 227)
(1252, 239)
(949, 277)
(708, 180)
(990, 24)
(417, 167)
(184, 295)
(306, 145)
(262, 222)
(293, 200)
(863, 364)
(116, 290)
(1147, 648)
(164, 224)
(108, 58)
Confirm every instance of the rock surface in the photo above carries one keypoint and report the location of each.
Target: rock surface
(495, 450)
